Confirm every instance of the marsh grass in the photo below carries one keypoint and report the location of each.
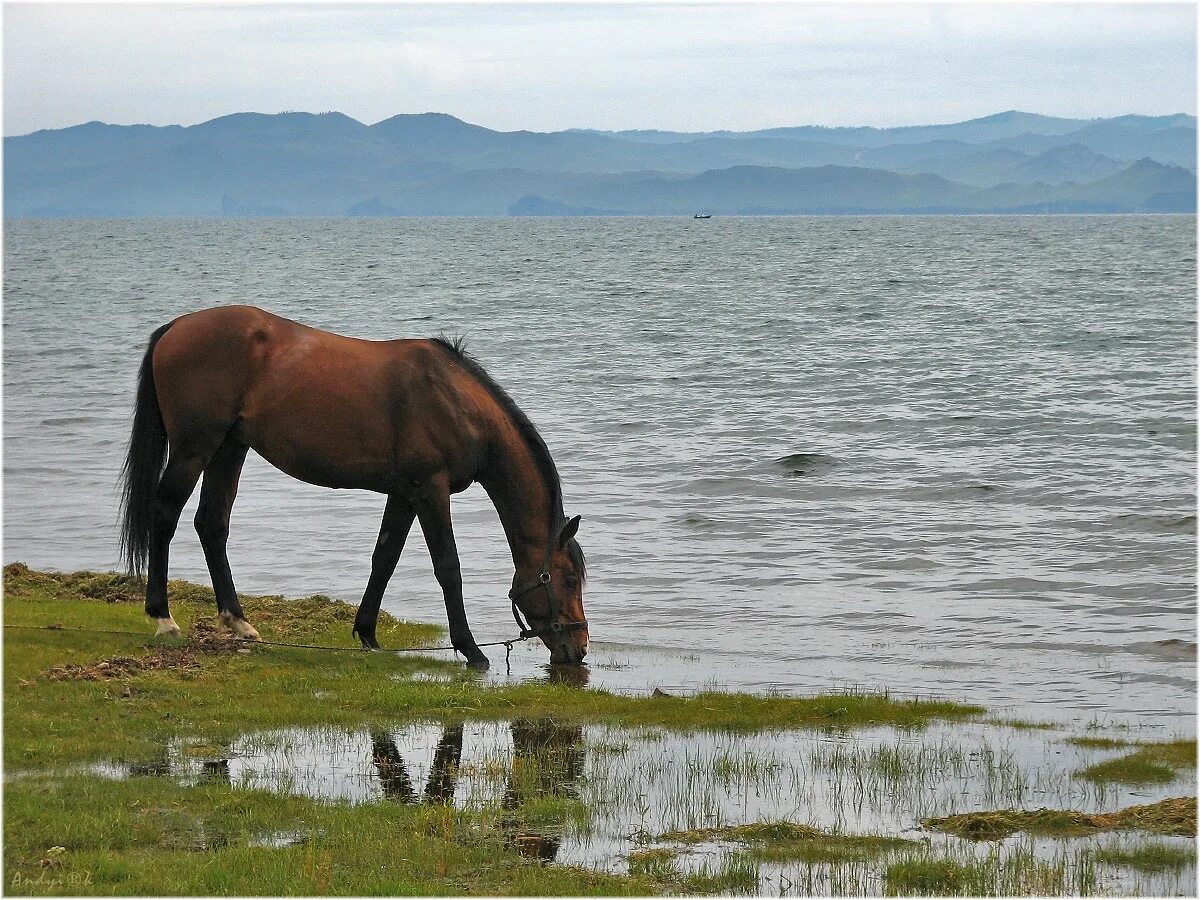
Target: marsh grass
(1002, 873)
(560, 815)
(1152, 857)
(1097, 743)
(918, 775)
(792, 842)
(1176, 816)
(1151, 763)
(732, 873)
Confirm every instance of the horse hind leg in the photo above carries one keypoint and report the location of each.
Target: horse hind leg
(174, 487)
(217, 494)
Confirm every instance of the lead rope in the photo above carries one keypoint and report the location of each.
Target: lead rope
(508, 645)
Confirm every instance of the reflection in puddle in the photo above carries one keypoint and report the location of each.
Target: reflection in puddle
(592, 795)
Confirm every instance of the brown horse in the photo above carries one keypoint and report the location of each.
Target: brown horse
(417, 420)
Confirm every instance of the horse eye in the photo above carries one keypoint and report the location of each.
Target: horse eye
(572, 581)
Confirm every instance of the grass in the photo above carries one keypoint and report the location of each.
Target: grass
(83, 835)
(1151, 857)
(132, 697)
(1017, 873)
(1151, 763)
(1097, 743)
(1025, 724)
(278, 686)
(564, 763)
(1176, 817)
(657, 863)
(792, 842)
(732, 873)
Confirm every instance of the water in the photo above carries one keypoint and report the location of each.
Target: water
(637, 785)
(949, 456)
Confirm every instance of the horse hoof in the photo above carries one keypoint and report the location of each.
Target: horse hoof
(367, 640)
(167, 627)
(476, 660)
(240, 627)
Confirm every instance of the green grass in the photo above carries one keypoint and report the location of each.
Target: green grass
(1025, 724)
(791, 842)
(657, 863)
(1151, 763)
(152, 836)
(1151, 857)
(734, 873)
(73, 698)
(274, 687)
(563, 815)
(1098, 743)
(1015, 873)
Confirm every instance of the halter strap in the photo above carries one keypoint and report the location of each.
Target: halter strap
(543, 581)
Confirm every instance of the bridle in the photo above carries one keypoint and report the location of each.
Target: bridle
(543, 581)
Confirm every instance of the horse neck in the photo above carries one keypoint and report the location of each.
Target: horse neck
(524, 499)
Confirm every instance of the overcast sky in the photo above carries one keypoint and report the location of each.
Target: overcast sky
(547, 67)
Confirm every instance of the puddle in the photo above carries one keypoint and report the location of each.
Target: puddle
(277, 839)
(592, 795)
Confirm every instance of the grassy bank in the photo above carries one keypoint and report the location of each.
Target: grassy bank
(121, 754)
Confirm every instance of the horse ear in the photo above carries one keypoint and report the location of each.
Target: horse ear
(568, 531)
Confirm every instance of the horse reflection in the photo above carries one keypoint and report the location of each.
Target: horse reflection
(548, 761)
(393, 773)
(575, 676)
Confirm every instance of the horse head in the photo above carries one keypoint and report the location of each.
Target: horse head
(553, 603)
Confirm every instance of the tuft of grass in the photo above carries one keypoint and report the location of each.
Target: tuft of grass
(1016, 873)
(562, 815)
(1025, 724)
(1098, 743)
(926, 877)
(1151, 763)
(792, 842)
(735, 873)
(658, 863)
(1151, 858)
(1176, 816)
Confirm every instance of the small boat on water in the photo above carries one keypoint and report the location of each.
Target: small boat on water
(702, 216)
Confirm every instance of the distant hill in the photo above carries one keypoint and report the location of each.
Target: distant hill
(252, 164)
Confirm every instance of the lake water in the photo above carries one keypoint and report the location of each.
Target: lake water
(950, 456)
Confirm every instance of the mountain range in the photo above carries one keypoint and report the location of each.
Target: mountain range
(328, 164)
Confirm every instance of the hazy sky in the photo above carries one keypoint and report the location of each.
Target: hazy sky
(546, 67)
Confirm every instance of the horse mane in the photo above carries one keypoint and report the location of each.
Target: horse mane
(533, 439)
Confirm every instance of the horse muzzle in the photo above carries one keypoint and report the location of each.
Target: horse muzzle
(567, 648)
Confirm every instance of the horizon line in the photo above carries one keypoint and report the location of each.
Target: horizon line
(334, 112)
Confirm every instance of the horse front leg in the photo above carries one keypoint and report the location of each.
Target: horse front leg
(433, 512)
(393, 532)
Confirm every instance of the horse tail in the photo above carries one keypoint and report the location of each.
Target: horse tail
(143, 467)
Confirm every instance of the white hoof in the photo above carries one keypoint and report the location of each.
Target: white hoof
(168, 627)
(240, 627)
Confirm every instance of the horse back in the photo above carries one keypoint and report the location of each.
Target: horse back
(327, 409)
